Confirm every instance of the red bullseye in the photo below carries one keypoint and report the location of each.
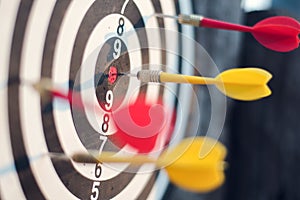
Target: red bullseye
(112, 74)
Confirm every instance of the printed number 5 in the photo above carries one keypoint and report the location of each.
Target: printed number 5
(95, 191)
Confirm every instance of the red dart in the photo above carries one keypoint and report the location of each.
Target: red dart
(139, 124)
(72, 97)
(278, 33)
(135, 126)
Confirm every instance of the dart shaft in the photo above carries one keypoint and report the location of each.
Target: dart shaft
(179, 78)
(201, 21)
(110, 157)
(212, 23)
(159, 76)
(9, 168)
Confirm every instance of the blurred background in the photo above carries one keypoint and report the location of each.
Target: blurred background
(262, 136)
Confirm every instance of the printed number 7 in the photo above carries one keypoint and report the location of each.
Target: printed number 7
(103, 139)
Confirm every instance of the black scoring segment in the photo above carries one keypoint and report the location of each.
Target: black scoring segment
(31, 191)
(105, 62)
(71, 179)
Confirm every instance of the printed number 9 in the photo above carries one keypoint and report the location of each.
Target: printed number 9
(109, 100)
(117, 48)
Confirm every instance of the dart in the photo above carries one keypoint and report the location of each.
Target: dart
(134, 126)
(140, 123)
(182, 164)
(46, 87)
(279, 33)
(30, 159)
(242, 84)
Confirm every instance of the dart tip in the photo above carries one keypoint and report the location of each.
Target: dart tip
(129, 74)
(58, 156)
(165, 16)
(84, 157)
(42, 85)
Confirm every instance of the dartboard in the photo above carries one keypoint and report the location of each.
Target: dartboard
(71, 43)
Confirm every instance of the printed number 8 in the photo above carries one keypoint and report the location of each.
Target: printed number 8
(120, 28)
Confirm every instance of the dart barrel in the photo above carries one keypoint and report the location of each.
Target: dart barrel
(194, 20)
(149, 75)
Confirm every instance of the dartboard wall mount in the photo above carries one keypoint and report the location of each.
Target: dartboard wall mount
(77, 43)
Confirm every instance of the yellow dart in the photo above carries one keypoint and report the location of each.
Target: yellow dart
(245, 84)
(181, 162)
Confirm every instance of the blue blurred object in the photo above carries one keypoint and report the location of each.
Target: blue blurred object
(292, 6)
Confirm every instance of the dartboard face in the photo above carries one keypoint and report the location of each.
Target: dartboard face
(77, 44)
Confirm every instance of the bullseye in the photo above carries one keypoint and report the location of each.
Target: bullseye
(113, 58)
(112, 74)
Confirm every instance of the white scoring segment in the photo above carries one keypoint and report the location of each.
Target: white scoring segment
(70, 142)
(172, 49)
(63, 52)
(66, 39)
(172, 65)
(61, 67)
(135, 187)
(154, 40)
(186, 91)
(62, 58)
(103, 31)
(9, 183)
(31, 121)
